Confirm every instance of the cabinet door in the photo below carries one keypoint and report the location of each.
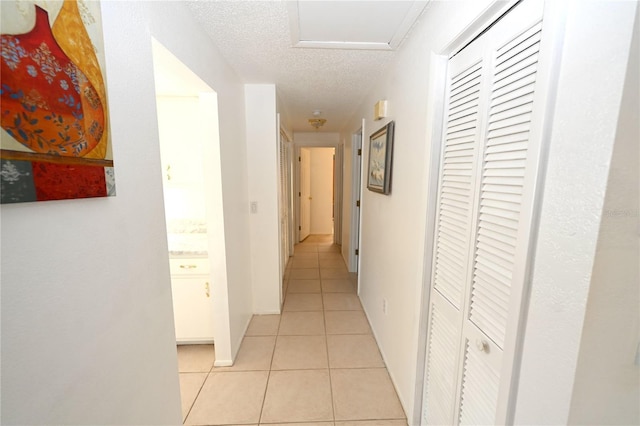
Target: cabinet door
(192, 309)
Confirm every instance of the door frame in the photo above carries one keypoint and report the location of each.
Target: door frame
(337, 179)
(356, 195)
(209, 101)
(338, 156)
(300, 198)
(285, 197)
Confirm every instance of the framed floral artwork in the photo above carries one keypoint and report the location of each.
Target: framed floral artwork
(55, 142)
(380, 159)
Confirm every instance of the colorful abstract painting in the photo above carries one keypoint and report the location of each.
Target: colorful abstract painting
(55, 141)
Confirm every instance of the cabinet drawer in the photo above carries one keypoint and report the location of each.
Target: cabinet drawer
(189, 266)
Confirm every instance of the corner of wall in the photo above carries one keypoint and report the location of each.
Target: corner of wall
(263, 163)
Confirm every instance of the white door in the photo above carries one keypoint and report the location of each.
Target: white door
(283, 195)
(487, 182)
(305, 193)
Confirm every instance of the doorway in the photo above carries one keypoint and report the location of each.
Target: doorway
(317, 191)
(189, 146)
(285, 201)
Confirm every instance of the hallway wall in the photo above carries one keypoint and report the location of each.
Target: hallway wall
(607, 386)
(87, 327)
(262, 157)
(392, 249)
(578, 284)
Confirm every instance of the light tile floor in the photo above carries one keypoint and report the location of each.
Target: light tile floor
(316, 364)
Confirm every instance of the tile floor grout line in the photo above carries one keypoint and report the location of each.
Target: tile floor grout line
(184, 422)
(326, 344)
(266, 387)
(326, 341)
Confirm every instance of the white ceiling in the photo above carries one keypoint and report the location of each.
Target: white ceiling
(256, 39)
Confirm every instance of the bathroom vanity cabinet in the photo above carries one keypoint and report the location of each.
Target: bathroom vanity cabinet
(192, 301)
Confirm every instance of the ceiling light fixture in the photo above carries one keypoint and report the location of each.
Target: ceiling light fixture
(317, 122)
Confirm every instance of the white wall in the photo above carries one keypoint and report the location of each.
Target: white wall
(322, 190)
(316, 139)
(87, 329)
(262, 157)
(87, 326)
(607, 385)
(393, 256)
(587, 108)
(393, 227)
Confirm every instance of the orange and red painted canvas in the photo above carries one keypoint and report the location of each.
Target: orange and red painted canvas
(55, 141)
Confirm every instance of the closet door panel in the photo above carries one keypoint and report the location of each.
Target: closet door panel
(456, 190)
(503, 174)
(480, 379)
(453, 239)
(442, 368)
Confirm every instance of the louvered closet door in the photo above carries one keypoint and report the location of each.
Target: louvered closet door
(284, 194)
(484, 213)
(500, 234)
(454, 224)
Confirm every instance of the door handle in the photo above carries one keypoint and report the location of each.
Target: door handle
(206, 289)
(188, 266)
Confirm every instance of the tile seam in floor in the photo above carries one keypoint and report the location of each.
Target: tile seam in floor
(266, 387)
(326, 342)
(184, 421)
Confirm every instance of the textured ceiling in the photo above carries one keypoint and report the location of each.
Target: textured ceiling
(254, 37)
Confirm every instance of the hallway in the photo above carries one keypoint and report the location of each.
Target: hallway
(317, 362)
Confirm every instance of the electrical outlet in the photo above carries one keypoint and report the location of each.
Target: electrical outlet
(254, 207)
(384, 306)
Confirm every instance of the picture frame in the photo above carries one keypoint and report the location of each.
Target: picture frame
(55, 142)
(381, 159)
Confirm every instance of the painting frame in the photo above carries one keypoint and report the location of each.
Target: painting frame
(381, 159)
(55, 136)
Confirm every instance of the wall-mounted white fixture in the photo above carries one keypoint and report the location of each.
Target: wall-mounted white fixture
(380, 110)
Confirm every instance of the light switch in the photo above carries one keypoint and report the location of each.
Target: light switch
(254, 207)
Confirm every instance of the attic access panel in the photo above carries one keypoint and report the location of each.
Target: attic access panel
(371, 25)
